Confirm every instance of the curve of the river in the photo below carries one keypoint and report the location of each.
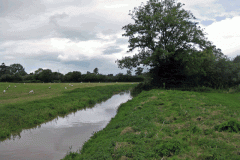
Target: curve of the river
(52, 140)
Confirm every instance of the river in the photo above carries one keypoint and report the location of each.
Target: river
(52, 140)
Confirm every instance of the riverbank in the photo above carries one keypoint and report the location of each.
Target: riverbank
(170, 124)
(22, 115)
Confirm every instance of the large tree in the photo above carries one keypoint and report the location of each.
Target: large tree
(169, 42)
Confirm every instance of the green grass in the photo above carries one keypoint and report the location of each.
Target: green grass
(20, 115)
(41, 90)
(170, 124)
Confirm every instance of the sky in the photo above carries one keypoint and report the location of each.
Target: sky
(80, 35)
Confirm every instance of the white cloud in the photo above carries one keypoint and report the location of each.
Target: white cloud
(225, 35)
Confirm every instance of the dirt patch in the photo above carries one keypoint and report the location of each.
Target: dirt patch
(127, 130)
(217, 112)
(122, 145)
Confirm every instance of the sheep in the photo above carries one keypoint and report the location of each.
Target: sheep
(72, 85)
(49, 87)
(31, 92)
(24, 83)
(65, 87)
(7, 88)
(81, 82)
(4, 91)
(15, 86)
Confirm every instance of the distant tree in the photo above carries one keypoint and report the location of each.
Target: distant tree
(139, 71)
(236, 59)
(3, 69)
(129, 72)
(17, 68)
(46, 75)
(38, 71)
(95, 71)
(88, 72)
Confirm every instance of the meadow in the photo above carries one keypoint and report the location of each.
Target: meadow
(170, 124)
(41, 90)
(21, 110)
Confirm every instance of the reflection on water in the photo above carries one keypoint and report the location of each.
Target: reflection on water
(53, 139)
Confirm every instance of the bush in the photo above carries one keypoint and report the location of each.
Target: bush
(168, 148)
(230, 126)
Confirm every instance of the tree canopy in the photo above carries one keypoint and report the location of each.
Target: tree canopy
(169, 42)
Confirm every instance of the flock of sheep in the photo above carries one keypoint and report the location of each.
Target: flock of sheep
(4, 91)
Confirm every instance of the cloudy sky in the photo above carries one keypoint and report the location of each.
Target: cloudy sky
(80, 35)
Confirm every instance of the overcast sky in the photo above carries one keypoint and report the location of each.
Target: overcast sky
(80, 35)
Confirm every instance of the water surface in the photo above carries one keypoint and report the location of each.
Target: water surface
(54, 139)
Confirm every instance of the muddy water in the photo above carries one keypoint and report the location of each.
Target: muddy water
(54, 139)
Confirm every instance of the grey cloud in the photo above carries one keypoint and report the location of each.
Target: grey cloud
(122, 41)
(112, 50)
(84, 64)
(76, 35)
(20, 9)
(53, 19)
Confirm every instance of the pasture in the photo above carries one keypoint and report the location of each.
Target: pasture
(41, 90)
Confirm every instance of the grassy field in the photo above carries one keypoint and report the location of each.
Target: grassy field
(170, 124)
(20, 110)
(41, 90)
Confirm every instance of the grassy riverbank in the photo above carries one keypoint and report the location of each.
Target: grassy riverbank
(170, 124)
(19, 115)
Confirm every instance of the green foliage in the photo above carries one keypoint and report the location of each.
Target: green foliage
(168, 148)
(229, 126)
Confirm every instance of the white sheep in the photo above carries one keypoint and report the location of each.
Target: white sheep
(31, 92)
(7, 88)
(15, 86)
(49, 87)
(81, 82)
(24, 83)
(4, 91)
(72, 85)
(65, 87)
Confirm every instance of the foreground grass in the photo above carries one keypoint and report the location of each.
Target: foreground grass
(167, 124)
(41, 90)
(16, 116)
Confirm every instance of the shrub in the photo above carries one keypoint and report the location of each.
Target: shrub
(230, 126)
(168, 148)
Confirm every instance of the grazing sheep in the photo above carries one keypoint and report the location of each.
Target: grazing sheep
(7, 88)
(31, 92)
(65, 87)
(24, 83)
(4, 91)
(72, 85)
(15, 86)
(49, 87)
(81, 82)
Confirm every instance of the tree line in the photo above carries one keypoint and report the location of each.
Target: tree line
(175, 49)
(16, 73)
